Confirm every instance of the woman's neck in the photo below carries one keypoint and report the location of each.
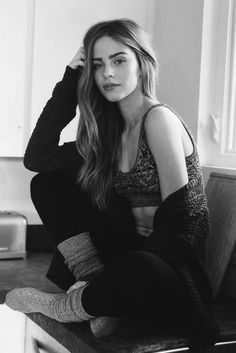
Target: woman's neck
(133, 108)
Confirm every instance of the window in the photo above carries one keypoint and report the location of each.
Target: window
(229, 118)
(217, 108)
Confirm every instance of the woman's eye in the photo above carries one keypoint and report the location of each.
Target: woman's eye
(97, 66)
(120, 61)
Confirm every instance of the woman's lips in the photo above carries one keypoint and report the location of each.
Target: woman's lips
(110, 86)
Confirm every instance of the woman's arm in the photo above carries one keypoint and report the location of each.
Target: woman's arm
(181, 223)
(165, 142)
(43, 152)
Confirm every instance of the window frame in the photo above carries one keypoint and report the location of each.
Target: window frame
(217, 119)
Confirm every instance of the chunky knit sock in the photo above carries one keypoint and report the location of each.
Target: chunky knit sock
(105, 325)
(59, 306)
(81, 256)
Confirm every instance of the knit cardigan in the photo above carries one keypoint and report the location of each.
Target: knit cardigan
(181, 223)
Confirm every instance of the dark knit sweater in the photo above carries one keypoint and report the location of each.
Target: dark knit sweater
(181, 223)
(43, 154)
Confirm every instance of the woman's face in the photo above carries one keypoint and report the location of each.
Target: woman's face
(116, 69)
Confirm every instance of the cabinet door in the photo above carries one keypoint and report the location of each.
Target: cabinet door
(15, 40)
(38, 341)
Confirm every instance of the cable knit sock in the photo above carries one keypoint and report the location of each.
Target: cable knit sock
(81, 256)
(105, 325)
(82, 259)
(59, 306)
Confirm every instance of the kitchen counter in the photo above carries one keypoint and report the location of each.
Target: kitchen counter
(132, 337)
(28, 272)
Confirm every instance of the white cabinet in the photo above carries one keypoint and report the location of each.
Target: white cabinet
(39, 341)
(15, 41)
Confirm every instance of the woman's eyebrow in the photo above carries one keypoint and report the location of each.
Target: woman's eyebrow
(112, 55)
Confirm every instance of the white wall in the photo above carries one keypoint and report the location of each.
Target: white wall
(177, 35)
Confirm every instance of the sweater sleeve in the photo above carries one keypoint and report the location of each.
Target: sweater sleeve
(181, 225)
(43, 152)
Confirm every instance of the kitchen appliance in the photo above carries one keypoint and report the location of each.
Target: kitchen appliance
(12, 235)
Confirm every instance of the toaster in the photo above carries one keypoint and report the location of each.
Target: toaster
(12, 235)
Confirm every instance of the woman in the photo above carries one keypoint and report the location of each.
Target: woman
(124, 203)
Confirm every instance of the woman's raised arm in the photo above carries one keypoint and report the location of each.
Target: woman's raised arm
(43, 152)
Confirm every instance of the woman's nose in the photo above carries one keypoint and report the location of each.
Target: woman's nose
(108, 71)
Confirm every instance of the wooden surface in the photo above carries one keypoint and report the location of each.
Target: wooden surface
(221, 196)
(228, 288)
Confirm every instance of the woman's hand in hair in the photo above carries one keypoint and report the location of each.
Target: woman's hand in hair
(79, 59)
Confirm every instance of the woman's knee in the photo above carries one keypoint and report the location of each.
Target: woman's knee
(56, 189)
(44, 183)
(36, 185)
(147, 268)
(54, 196)
(139, 259)
(135, 265)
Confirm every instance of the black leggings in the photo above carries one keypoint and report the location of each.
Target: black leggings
(135, 282)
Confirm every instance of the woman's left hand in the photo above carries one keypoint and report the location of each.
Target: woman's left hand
(78, 59)
(76, 285)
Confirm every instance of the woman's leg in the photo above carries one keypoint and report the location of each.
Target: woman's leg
(65, 212)
(142, 284)
(138, 284)
(63, 208)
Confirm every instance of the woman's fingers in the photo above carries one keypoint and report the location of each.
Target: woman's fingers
(76, 286)
(79, 59)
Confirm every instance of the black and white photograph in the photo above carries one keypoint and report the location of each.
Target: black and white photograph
(117, 176)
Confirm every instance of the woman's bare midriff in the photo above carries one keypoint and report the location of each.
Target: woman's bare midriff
(144, 219)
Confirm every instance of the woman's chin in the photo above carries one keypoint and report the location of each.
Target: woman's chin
(113, 98)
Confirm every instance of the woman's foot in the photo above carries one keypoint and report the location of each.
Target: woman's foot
(105, 325)
(59, 306)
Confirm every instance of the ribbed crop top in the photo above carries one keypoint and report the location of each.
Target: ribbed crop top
(140, 185)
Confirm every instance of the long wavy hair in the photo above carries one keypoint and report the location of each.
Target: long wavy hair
(100, 126)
